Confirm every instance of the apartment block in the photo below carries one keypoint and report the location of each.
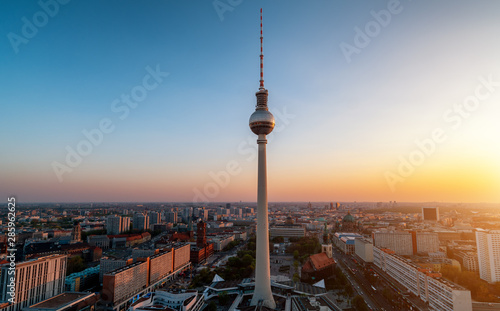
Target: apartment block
(120, 286)
(401, 242)
(287, 231)
(429, 286)
(35, 281)
(488, 253)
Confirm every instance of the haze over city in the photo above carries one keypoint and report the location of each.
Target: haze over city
(408, 113)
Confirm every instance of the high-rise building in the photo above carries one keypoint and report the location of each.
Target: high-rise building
(187, 213)
(262, 124)
(154, 218)
(141, 221)
(113, 225)
(35, 280)
(125, 224)
(171, 217)
(204, 214)
(488, 253)
(430, 213)
(196, 212)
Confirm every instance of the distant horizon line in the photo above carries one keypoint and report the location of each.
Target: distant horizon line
(270, 202)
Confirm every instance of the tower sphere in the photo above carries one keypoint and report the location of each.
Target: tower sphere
(262, 122)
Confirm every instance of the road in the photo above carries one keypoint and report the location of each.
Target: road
(373, 298)
(358, 289)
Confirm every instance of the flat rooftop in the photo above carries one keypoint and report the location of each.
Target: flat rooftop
(60, 300)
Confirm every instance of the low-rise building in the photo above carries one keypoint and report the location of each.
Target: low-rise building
(83, 280)
(67, 301)
(287, 231)
(220, 242)
(345, 241)
(167, 301)
(364, 249)
(317, 267)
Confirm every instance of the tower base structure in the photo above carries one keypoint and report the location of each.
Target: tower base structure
(262, 296)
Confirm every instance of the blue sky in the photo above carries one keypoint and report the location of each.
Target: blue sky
(351, 120)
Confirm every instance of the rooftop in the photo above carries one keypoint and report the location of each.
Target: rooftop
(321, 261)
(65, 299)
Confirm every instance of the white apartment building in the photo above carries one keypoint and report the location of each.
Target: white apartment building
(398, 241)
(488, 253)
(125, 224)
(35, 281)
(429, 286)
(427, 242)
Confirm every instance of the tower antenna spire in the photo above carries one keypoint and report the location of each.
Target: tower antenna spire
(261, 55)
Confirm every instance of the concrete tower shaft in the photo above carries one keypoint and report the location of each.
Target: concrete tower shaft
(262, 123)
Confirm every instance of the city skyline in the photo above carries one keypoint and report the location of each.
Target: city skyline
(387, 117)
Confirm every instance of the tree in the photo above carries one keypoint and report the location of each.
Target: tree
(348, 290)
(248, 260)
(278, 239)
(75, 264)
(223, 298)
(359, 303)
(296, 254)
(212, 306)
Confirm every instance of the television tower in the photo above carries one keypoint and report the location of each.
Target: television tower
(262, 124)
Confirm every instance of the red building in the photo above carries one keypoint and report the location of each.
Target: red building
(202, 251)
(318, 267)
